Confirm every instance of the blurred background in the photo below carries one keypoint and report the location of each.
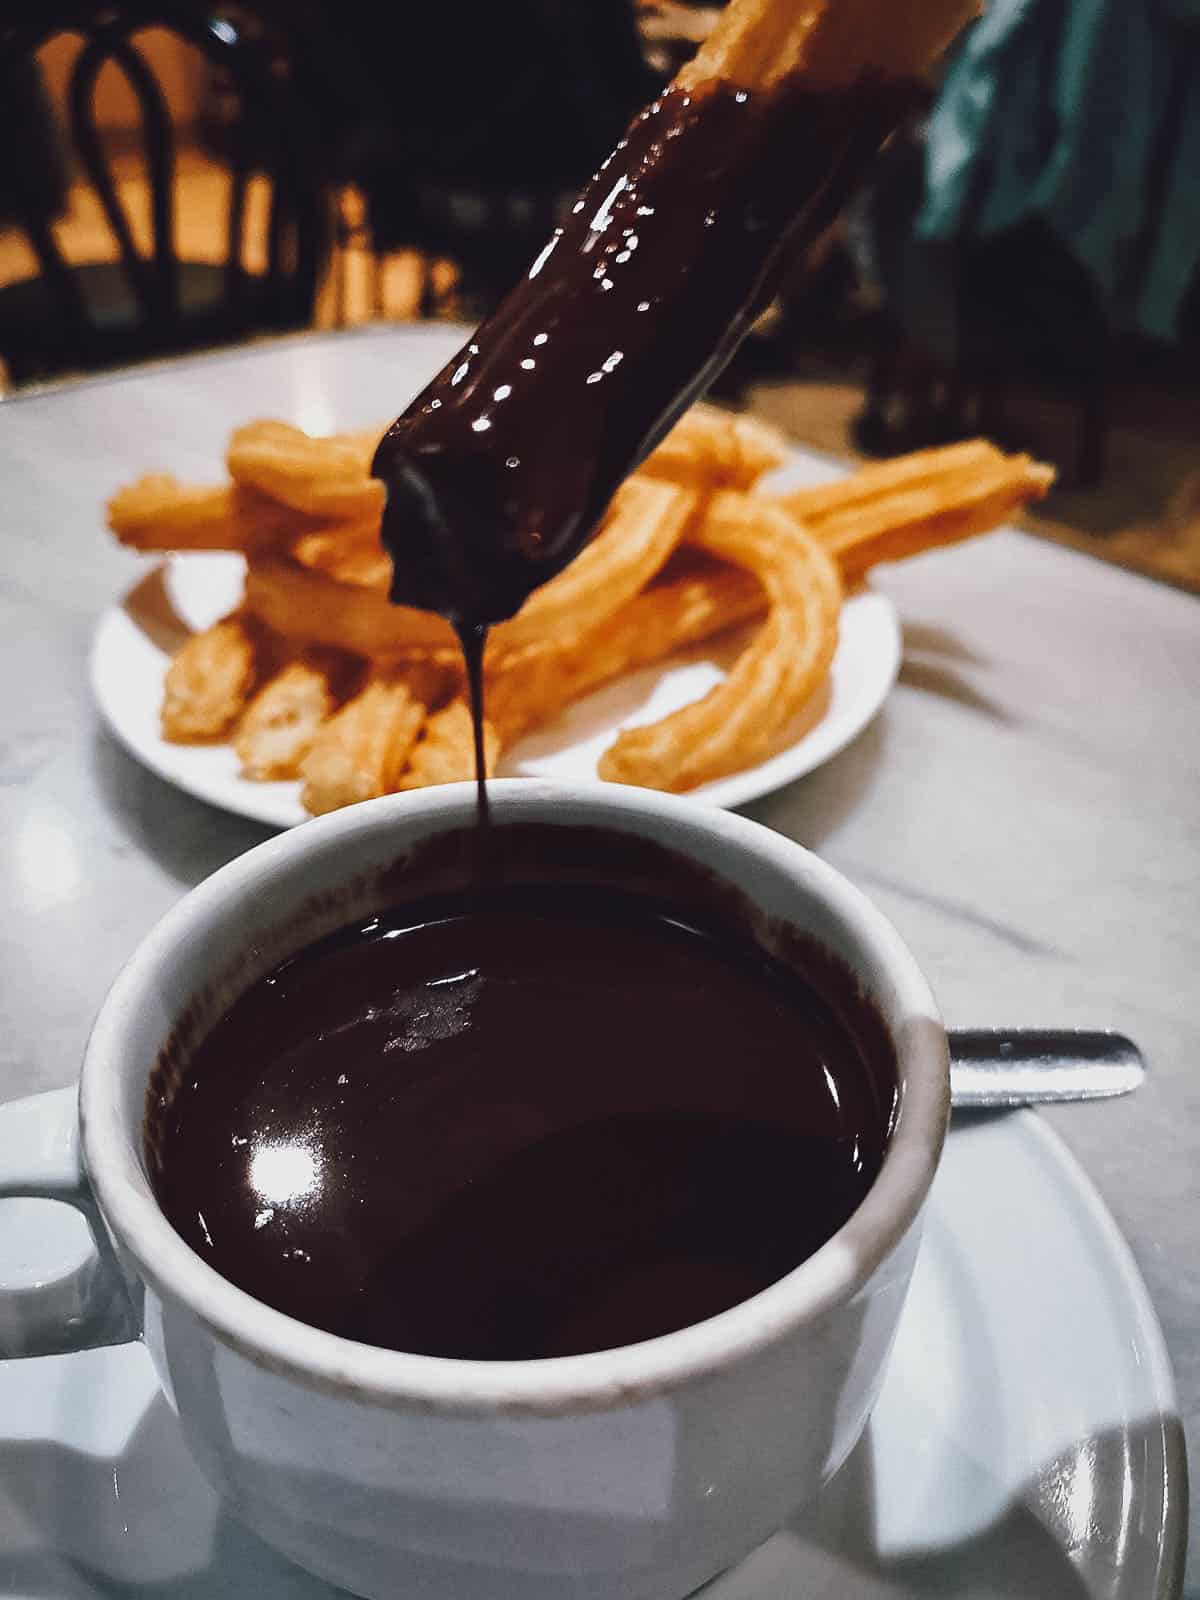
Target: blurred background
(1023, 261)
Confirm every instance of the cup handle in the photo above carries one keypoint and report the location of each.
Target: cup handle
(60, 1286)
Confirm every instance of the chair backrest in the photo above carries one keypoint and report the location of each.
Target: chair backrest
(272, 133)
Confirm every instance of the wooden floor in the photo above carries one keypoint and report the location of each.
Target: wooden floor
(1145, 514)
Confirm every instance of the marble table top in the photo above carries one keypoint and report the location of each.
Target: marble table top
(1026, 808)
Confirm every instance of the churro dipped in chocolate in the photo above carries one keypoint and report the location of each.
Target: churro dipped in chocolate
(499, 472)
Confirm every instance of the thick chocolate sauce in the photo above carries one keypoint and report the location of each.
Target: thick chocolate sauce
(472, 640)
(547, 1120)
(498, 473)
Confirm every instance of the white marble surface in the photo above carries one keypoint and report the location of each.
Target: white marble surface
(1026, 808)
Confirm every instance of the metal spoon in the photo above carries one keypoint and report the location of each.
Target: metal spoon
(1024, 1066)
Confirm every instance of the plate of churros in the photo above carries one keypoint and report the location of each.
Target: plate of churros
(718, 636)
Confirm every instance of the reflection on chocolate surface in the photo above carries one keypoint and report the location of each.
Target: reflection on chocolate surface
(530, 1119)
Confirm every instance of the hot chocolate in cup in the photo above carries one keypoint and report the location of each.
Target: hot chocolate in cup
(633, 1471)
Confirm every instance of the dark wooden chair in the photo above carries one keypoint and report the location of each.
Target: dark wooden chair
(82, 316)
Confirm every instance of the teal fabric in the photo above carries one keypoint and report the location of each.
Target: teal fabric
(1061, 110)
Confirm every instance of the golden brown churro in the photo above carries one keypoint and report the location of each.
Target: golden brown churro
(318, 675)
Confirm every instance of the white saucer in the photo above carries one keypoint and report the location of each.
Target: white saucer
(1025, 1446)
(129, 660)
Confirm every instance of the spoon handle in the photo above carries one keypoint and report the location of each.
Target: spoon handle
(1025, 1066)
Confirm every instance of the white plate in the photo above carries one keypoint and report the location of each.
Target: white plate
(129, 660)
(1025, 1445)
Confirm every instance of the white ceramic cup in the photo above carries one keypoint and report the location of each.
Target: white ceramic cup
(630, 1474)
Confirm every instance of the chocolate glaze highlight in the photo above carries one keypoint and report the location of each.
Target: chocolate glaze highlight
(471, 1127)
(499, 472)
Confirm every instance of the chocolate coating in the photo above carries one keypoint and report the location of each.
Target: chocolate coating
(500, 470)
